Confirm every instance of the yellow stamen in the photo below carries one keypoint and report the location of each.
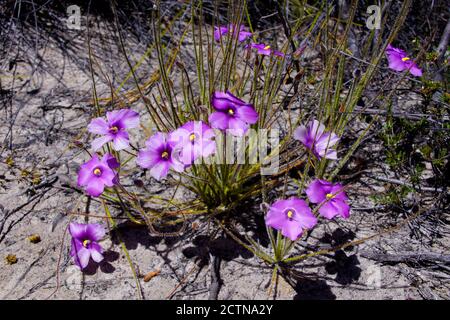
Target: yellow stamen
(192, 137)
(330, 196)
(97, 171)
(114, 129)
(405, 59)
(290, 214)
(266, 47)
(165, 155)
(85, 243)
(230, 111)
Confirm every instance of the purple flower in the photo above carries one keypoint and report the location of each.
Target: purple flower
(291, 217)
(85, 245)
(196, 139)
(399, 61)
(96, 174)
(331, 196)
(223, 30)
(161, 154)
(232, 113)
(219, 32)
(114, 128)
(317, 140)
(266, 50)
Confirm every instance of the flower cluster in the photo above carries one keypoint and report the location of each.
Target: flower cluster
(242, 34)
(293, 216)
(176, 150)
(180, 148)
(231, 29)
(196, 139)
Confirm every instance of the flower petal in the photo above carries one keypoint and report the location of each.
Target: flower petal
(307, 219)
(243, 35)
(95, 187)
(221, 101)
(396, 63)
(108, 176)
(328, 210)
(98, 126)
(176, 162)
(338, 190)
(247, 114)
(415, 70)
(84, 176)
(76, 245)
(235, 99)
(121, 141)
(180, 137)
(127, 118)
(280, 205)
(219, 32)
(99, 142)
(95, 231)
(327, 140)
(237, 127)
(316, 191)
(148, 158)
(278, 53)
(77, 230)
(208, 148)
(123, 118)
(292, 230)
(156, 141)
(342, 207)
(276, 219)
(111, 161)
(190, 125)
(82, 258)
(96, 252)
(330, 154)
(160, 170)
(323, 145)
(188, 154)
(219, 120)
(301, 134)
(316, 128)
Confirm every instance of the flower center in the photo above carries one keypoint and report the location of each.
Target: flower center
(329, 196)
(290, 214)
(114, 129)
(86, 242)
(405, 59)
(97, 172)
(230, 111)
(165, 155)
(266, 47)
(192, 137)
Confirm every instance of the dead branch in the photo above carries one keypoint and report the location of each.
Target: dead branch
(412, 257)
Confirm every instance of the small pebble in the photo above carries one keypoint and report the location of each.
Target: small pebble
(35, 238)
